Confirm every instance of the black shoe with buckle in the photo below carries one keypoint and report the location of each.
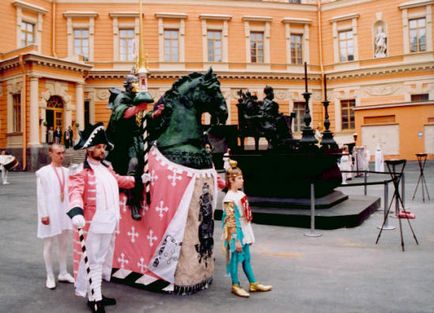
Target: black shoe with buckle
(106, 301)
(96, 306)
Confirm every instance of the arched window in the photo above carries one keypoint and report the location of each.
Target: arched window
(55, 102)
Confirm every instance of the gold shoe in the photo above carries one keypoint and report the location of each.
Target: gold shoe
(254, 287)
(240, 292)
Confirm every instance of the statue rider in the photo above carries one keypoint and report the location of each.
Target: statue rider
(126, 133)
(270, 111)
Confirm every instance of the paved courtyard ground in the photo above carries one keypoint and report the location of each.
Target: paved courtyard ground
(343, 271)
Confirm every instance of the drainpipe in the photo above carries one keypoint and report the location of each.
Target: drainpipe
(320, 46)
(53, 29)
(24, 111)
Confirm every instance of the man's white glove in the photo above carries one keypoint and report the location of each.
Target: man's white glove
(146, 177)
(78, 221)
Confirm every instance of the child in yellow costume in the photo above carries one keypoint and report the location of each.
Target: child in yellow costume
(238, 232)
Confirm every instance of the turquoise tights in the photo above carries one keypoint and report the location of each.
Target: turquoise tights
(235, 259)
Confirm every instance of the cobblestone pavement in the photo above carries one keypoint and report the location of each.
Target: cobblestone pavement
(341, 271)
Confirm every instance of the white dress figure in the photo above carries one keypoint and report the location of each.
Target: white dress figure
(379, 160)
(345, 165)
(367, 159)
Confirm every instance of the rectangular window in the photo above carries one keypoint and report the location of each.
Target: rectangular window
(16, 113)
(296, 49)
(346, 46)
(295, 1)
(420, 97)
(299, 109)
(257, 47)
(347, 114)
(171, 45)
(81, 42)
(417, 31)
(214, 46)
(126, 45)
(27, 33)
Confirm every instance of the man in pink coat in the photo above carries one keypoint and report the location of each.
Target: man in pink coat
(94, 206)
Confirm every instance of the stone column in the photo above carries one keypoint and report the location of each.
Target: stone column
(34, 116)
(79, 105)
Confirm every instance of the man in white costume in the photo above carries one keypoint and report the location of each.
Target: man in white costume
(53, 223)
(94, 206)
(379, 160)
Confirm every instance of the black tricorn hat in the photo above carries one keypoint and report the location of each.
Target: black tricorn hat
(93, 135)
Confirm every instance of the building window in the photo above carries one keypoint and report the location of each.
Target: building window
(81, 42)
(346, 46)
(294, 1)
(215, 51)
(417, 31)
(420, 97)
(257, 47)
(126, 44)
(27, 33)
(171, 45)
(347, 114)
(299, 109)
(16, 113)
(296, 49)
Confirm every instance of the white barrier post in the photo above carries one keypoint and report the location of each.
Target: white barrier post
(312, 232)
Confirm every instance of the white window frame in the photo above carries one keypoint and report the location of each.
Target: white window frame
(23, 10)
(71, 26)
(175, 56)
(337, 27)
(177, 21)
(288, 21)
(133, 23)
(224, 28)
(265, 28)
(408, 15)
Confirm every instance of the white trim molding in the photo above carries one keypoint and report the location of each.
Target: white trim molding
(265, 28)
(40, 11)
(90, 26)
(406, 16)
(223, 26)
(287, 21)
(180, 26)
(133, 24)
(335, 30)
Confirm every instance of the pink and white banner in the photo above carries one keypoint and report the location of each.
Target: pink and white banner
(152, 246)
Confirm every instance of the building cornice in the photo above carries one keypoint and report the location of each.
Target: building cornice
(415, 4)
(30, 7)
(45, 61)
(380, 70)
(80, 14)
(310, 7)
(294, 20)
(392, 105)
(124, 14)
(220, 17)
(158, 74)
(344, 17)
(342, 4)
(254, 18)
(171, 15)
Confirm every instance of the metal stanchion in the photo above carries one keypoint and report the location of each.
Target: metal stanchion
(365, 187)
(312, 232)
(386, 225)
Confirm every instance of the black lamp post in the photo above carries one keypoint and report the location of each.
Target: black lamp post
(308, 136)
(327, 141)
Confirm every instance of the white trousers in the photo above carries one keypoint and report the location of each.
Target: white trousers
(99, 250)
(62, 241)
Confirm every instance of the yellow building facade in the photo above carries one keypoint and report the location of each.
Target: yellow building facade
(58, 59)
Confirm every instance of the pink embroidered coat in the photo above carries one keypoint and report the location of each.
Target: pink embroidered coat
(82, 200)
